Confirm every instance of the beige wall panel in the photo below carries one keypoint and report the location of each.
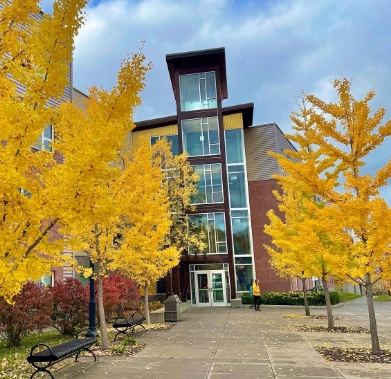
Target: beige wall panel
(163, 131)
(233, 121)
(258, 141)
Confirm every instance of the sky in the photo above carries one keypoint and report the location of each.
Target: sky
(275, 49)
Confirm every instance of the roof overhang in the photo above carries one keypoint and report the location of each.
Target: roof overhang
(199, 58)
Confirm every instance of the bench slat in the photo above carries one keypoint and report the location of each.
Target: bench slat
(128, 322)
(62, 350)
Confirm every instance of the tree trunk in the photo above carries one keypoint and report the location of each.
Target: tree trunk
(146, 301)
(306, 306)
(103, 325)
(372, 316)
(330, 318)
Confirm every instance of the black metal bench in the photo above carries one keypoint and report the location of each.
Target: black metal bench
(44, 359)
(125, 325)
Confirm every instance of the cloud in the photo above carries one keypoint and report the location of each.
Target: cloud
(274, 50)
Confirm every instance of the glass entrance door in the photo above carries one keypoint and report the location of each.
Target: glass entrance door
(210, 288)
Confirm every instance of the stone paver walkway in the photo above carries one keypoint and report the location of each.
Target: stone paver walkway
(225, 343)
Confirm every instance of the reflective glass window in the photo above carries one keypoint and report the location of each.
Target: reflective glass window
(244, 274)
(237, 186)
(200, 136)
(198, 91)
(210, 227)
(241, 235)
(210, 187)
(172, 140)
(234, 146)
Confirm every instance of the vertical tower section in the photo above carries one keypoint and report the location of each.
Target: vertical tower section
(199, 82)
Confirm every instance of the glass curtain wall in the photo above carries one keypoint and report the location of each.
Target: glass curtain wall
(239, 209)
(210, 186)
(200, 136)
(211, 227)
(172, 139)
(198, 91)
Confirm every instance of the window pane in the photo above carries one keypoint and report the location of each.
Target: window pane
(201, 196)
(213, 227)
(237, 189)
(192, 137)
(154, 140)
(243, 260)
(241, 236)
(198, 91)
(201, 136)
(47, 145)
(210, 187)
(174, 144)
(48, 132)
(243, 277)
(211, 88)
(189, 92)
(220, 227)
(234, 146)
(197, 224)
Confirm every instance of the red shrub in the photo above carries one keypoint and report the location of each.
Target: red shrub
(118, 293)
(70, 306)
(30, 312)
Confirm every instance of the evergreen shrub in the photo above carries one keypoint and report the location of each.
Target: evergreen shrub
(292, 298)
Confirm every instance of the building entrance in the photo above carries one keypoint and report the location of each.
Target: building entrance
(210, 288)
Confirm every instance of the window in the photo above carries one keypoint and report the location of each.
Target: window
(244, 274)
(198, 91)
(234, 146)
(173, 140)
(201, 136)
(210, 186)
(237, 186)
(212, 228)
(45, 140)
(240, 233)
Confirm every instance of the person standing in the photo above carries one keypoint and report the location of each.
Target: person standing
(256, 294)
(251, 293)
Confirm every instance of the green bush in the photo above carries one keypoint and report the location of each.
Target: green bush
(292, 298)
(247, 298)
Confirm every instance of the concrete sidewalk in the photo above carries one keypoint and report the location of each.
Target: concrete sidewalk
(219, 343)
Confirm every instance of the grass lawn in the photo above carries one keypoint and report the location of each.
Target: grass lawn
(13, 359)
(382, 298)
(346, 296)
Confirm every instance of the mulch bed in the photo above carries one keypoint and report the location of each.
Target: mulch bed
(354, 355)
(337, 329)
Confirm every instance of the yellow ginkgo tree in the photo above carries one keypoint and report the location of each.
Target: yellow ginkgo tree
(35, 56)
(143, 253)
(343, 134)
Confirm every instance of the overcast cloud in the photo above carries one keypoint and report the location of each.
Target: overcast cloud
(274, 50)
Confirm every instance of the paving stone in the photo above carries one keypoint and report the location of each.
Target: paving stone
(226, 343)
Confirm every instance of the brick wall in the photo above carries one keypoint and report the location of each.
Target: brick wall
(261, 200)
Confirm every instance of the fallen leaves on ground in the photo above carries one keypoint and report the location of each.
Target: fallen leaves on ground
(354, 355)
(336, 329)
(300, 315)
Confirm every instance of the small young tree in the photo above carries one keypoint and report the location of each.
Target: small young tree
(70, 306)
(29, 312)
(143, 254)
(344, 133)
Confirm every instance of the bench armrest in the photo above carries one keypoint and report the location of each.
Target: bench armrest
(82, 330)
(40, 344)
(121, 318)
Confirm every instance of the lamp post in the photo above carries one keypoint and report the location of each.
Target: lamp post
(92, 332)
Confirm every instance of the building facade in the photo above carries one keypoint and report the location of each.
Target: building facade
(229, 155)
